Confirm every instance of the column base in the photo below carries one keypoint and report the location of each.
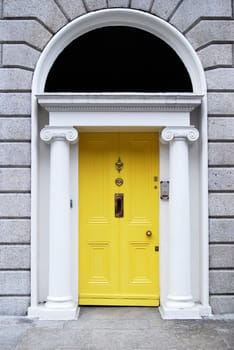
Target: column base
(59, 303)
(180, 302)
(197, 311)
(43, 312)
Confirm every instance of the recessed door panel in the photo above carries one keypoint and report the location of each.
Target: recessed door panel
(118, 204)
(97, 255)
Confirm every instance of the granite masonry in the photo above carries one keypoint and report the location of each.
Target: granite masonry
(26, 27)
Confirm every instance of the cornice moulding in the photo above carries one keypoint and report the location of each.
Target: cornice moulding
(128, 102)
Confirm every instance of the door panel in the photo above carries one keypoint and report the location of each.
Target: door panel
(98, 234)
(118, 263)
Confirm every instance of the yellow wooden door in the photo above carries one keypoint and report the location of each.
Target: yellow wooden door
(118, 257)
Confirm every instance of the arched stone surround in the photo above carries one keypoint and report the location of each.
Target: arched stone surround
(184, 50)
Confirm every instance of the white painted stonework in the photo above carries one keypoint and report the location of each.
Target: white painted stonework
(182, 121)
(180, 273)
(60, 269)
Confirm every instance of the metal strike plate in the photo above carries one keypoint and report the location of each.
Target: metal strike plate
(164, 190)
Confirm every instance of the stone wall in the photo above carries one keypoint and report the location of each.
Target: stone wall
(26, 26)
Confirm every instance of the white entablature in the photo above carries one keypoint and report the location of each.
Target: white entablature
(106, 111)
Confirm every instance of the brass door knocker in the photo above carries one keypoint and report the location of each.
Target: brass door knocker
(119, 165)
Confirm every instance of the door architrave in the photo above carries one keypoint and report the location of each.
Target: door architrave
(178, 42)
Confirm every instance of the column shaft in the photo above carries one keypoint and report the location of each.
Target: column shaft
(179, 244)
(59, 242)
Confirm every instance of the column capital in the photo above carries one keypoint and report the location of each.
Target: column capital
(55, 133)
(172, 133)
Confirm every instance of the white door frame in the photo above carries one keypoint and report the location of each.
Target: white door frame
(154, 111)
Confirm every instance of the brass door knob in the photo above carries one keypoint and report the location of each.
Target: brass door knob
(148, 233)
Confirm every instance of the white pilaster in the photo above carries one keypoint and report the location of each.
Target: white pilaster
(59, 300)
(179, 298)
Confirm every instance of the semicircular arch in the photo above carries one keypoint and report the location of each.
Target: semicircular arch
(120, 17)
(118, 59)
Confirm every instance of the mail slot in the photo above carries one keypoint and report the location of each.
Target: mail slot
(119, 205)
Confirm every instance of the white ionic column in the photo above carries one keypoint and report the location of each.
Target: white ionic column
(60, 269)
(179, 291)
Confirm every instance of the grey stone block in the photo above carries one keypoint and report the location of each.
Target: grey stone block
(93, 5)
(221, 128)
(221, 282)
(221, 230)
(20, 55)
(14, 257)
(221, 103)
(221, 179)
(164, 8)
(29, 31)
(221, 154)
(15, 231)
(46, 11)
(72, 8)
(16, 154)
(221, 256)
(208, 31)
(15, 129)
(14, 282)
(220, 79)
(222, 304)
(14, 306)
(15, 79)
(144, 5)
(15, 103)
(189, 11)
(118, 3)
(15, 205)
(13, 179)
(221, 204)
(216, 55)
